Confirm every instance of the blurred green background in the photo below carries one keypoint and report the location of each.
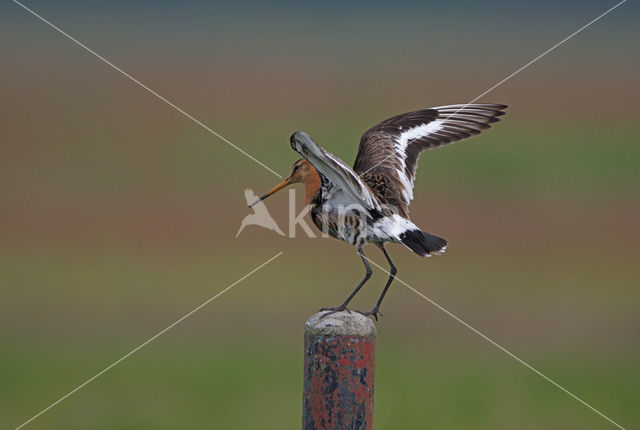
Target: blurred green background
(119, 215)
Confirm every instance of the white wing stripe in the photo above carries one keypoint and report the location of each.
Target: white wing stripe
(452, 121)
(400, 144)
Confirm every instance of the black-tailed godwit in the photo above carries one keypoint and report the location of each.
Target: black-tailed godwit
(370, 203)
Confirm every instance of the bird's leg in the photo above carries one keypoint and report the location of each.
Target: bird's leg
(392, 272)
(367, 275)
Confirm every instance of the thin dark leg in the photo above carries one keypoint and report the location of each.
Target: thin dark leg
(367, 275)
(392, 271)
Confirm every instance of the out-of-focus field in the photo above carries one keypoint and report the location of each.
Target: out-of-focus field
(118, 216)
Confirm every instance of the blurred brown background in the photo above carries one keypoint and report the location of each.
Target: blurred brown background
(118, 214)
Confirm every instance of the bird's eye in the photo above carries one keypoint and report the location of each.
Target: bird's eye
(296, 168)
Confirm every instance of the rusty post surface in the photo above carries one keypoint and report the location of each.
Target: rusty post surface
(339, 371)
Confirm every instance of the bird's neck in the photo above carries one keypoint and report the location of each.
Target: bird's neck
(312, 185)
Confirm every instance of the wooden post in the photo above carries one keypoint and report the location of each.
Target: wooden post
(339, 370)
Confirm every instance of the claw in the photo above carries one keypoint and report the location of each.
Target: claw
(373, 312)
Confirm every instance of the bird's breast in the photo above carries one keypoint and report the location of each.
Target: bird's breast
(345, 224)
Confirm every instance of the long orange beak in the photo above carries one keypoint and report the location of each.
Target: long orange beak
(274, 190)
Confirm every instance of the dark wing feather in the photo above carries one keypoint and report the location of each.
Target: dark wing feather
(389, 151)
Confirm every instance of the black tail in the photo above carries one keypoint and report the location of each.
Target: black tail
(423, 243)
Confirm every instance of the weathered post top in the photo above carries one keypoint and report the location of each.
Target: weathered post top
(340, 324)
(339, 371)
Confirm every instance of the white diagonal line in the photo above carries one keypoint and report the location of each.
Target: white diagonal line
(191, 117)
(151, 339)
(503, 349)
(516, 72)
(539, 56)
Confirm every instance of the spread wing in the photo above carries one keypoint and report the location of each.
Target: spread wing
(339, 181)
(389, 151)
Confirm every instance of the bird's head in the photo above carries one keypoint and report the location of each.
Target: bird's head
(301, 172)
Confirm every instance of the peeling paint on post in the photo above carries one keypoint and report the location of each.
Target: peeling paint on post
(339, 371)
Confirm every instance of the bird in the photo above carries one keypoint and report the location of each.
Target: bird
(369, 203)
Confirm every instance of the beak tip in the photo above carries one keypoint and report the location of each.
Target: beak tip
(272, 191)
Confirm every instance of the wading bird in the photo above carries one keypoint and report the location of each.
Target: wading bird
(370, 203)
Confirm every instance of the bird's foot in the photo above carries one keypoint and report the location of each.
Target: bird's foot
(373, 312)
(330, 311)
